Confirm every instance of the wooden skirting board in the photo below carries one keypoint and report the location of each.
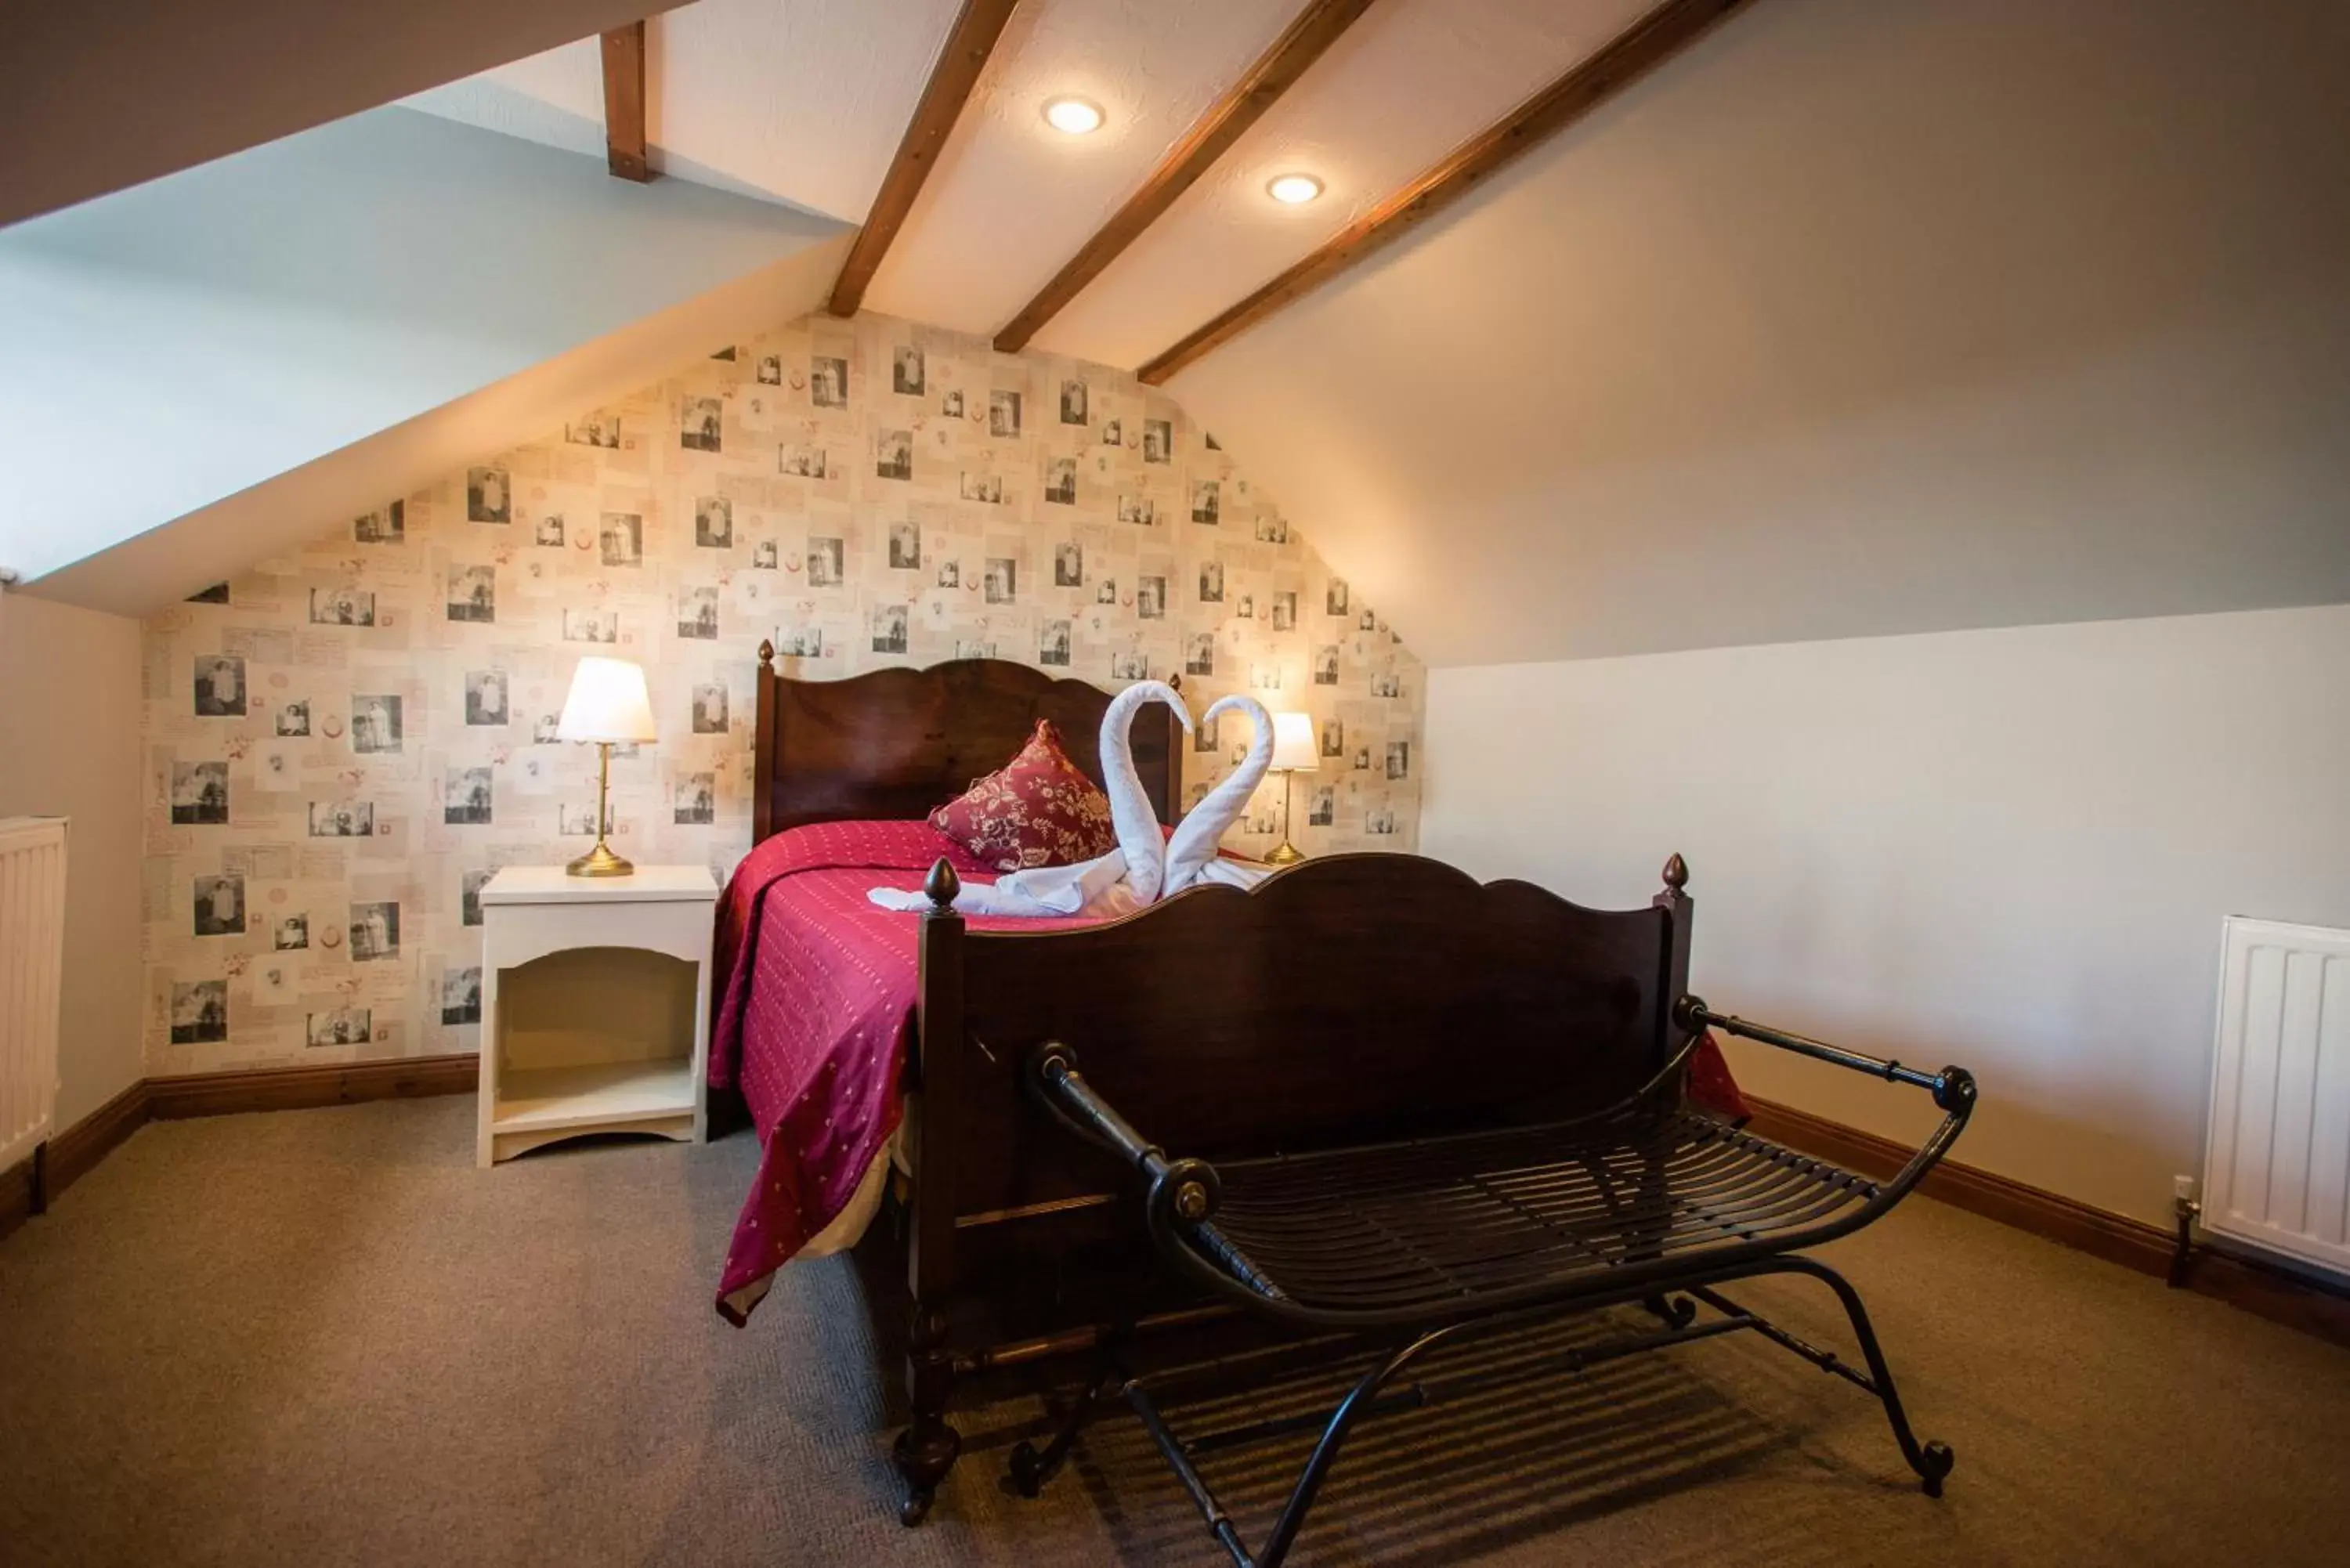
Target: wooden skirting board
(2268, 1293)
(304, 1088)
(74, 1152)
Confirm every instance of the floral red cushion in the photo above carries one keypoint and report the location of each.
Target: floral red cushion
(1039, 810)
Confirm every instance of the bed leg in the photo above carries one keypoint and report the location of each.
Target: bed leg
(926, 1450)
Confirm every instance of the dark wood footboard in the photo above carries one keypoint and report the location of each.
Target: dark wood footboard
(1349, 998)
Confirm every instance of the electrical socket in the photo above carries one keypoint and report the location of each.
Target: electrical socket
(2183, 1187)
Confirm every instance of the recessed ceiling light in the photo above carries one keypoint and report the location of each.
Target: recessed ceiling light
(1075, 116)
(1294, 190)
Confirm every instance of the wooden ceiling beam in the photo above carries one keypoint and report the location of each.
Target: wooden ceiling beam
(1638, 49)
(969, 44)
(1313, 30)
(624, 103)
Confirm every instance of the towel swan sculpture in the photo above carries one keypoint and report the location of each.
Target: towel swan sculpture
(1146, 865)
(1190, 853)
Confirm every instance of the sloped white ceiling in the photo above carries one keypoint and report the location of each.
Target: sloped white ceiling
(206, 335)
(1856, 319)
(1013, 200)
(287, 509)
(100, 94)
(801, 101)
(805, 101)
(1408, 83)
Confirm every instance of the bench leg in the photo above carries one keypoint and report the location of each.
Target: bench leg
(1931, 1460)
(1031, 1467)
(1675, 1313)
(1359, 1401)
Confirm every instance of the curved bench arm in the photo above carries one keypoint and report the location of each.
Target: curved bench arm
(1179, 1189)
(1953, 1088)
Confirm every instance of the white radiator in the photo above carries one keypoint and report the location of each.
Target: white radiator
(32, 956)
(2276, 1161)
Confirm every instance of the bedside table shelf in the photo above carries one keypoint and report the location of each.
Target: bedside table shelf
(595, 1005)
(535, 1099)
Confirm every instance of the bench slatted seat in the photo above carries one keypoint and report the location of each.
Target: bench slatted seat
(1401, 1233)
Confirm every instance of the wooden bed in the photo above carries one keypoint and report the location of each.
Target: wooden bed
(1339, 1000)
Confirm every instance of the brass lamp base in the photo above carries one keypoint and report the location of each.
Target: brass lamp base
(1288, 854)
(601, 862)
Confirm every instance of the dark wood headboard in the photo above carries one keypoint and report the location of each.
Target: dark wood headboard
(891, 745)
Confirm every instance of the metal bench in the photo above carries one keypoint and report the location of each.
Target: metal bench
(1424, 1241)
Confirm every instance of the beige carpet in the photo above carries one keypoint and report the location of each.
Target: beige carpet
(324, 1337)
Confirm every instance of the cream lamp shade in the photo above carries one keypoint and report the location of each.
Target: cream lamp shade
(608, 703)
(1294, 750)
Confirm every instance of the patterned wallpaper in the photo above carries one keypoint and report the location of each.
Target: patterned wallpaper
(343, 744)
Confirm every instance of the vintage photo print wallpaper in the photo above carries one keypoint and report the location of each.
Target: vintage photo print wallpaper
(344, 744)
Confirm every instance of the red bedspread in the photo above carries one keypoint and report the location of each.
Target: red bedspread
(815, 992)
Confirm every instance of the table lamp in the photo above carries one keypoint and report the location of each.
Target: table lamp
(608, 703)
(1294, 753)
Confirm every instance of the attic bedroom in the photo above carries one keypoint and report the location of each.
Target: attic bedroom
(1084, 783)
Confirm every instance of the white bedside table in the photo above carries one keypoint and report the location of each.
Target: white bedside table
(595, 1005)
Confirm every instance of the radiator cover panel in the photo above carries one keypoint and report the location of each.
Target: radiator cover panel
(2276, 1171)
(32, 958)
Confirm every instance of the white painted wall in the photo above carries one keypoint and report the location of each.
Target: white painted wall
(69, 717)
(2006, 848)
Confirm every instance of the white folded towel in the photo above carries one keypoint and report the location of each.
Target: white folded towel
(1041, 892)
(1192, 849)
(1130, 817)
(1240, 874)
